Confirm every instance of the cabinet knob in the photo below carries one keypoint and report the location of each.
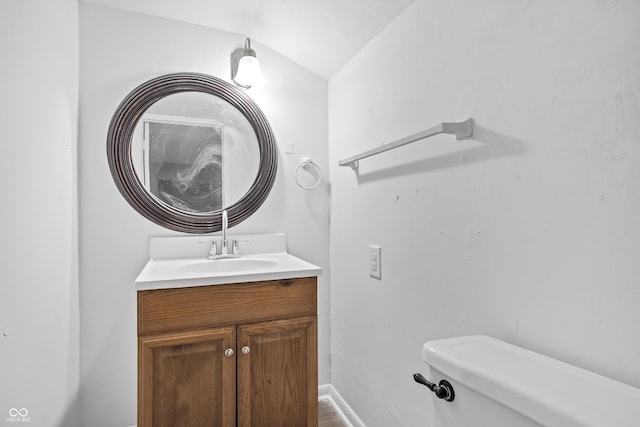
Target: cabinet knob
(228, 352)
(246, 349)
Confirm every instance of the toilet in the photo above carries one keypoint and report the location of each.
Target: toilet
(500, 384)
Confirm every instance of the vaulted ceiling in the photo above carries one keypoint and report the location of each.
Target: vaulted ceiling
(320, 35)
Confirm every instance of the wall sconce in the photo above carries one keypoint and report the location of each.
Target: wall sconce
(245, 68)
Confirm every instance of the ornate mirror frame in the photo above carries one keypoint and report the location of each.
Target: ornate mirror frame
(119, 141)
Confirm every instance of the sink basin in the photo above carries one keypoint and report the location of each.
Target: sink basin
(226, 265)
(178, 262)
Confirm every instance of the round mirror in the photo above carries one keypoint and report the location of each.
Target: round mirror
(183, 147)
(195, 152)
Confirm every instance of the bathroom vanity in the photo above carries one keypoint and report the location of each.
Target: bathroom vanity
(224, 338)
(224, 350)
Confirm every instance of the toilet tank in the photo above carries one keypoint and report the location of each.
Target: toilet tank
(499, 384)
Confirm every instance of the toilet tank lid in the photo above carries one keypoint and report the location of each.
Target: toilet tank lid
(548, 391)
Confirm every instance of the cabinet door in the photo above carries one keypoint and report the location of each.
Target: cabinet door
(278, 373)
(187, 380)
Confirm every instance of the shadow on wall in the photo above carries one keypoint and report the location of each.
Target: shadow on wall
(71, 417)
(494, 145)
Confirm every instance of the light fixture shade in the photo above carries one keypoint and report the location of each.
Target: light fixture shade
(245, 68)
(249, 73)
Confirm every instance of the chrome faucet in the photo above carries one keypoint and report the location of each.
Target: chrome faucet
(224, 244)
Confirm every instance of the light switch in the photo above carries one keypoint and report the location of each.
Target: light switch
(374, 261)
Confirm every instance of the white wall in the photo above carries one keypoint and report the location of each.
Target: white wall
(529, 232)
(39, 349)
(118, 51)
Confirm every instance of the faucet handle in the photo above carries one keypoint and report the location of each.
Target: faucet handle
(213, 250)
(235, 247)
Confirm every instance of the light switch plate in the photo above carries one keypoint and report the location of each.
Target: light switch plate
(374, 261)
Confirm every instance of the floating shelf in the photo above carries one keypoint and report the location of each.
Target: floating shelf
(461, 130)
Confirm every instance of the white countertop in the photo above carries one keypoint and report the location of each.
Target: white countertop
(178, 273)
(181, 261)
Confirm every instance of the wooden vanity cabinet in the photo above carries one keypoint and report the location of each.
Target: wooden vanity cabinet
(229, 355)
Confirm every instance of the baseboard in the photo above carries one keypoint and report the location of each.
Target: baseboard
(327, 392)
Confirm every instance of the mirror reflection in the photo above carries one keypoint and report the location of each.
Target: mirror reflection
(195, 152)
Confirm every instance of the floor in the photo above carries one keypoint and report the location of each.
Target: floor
(327, 416)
